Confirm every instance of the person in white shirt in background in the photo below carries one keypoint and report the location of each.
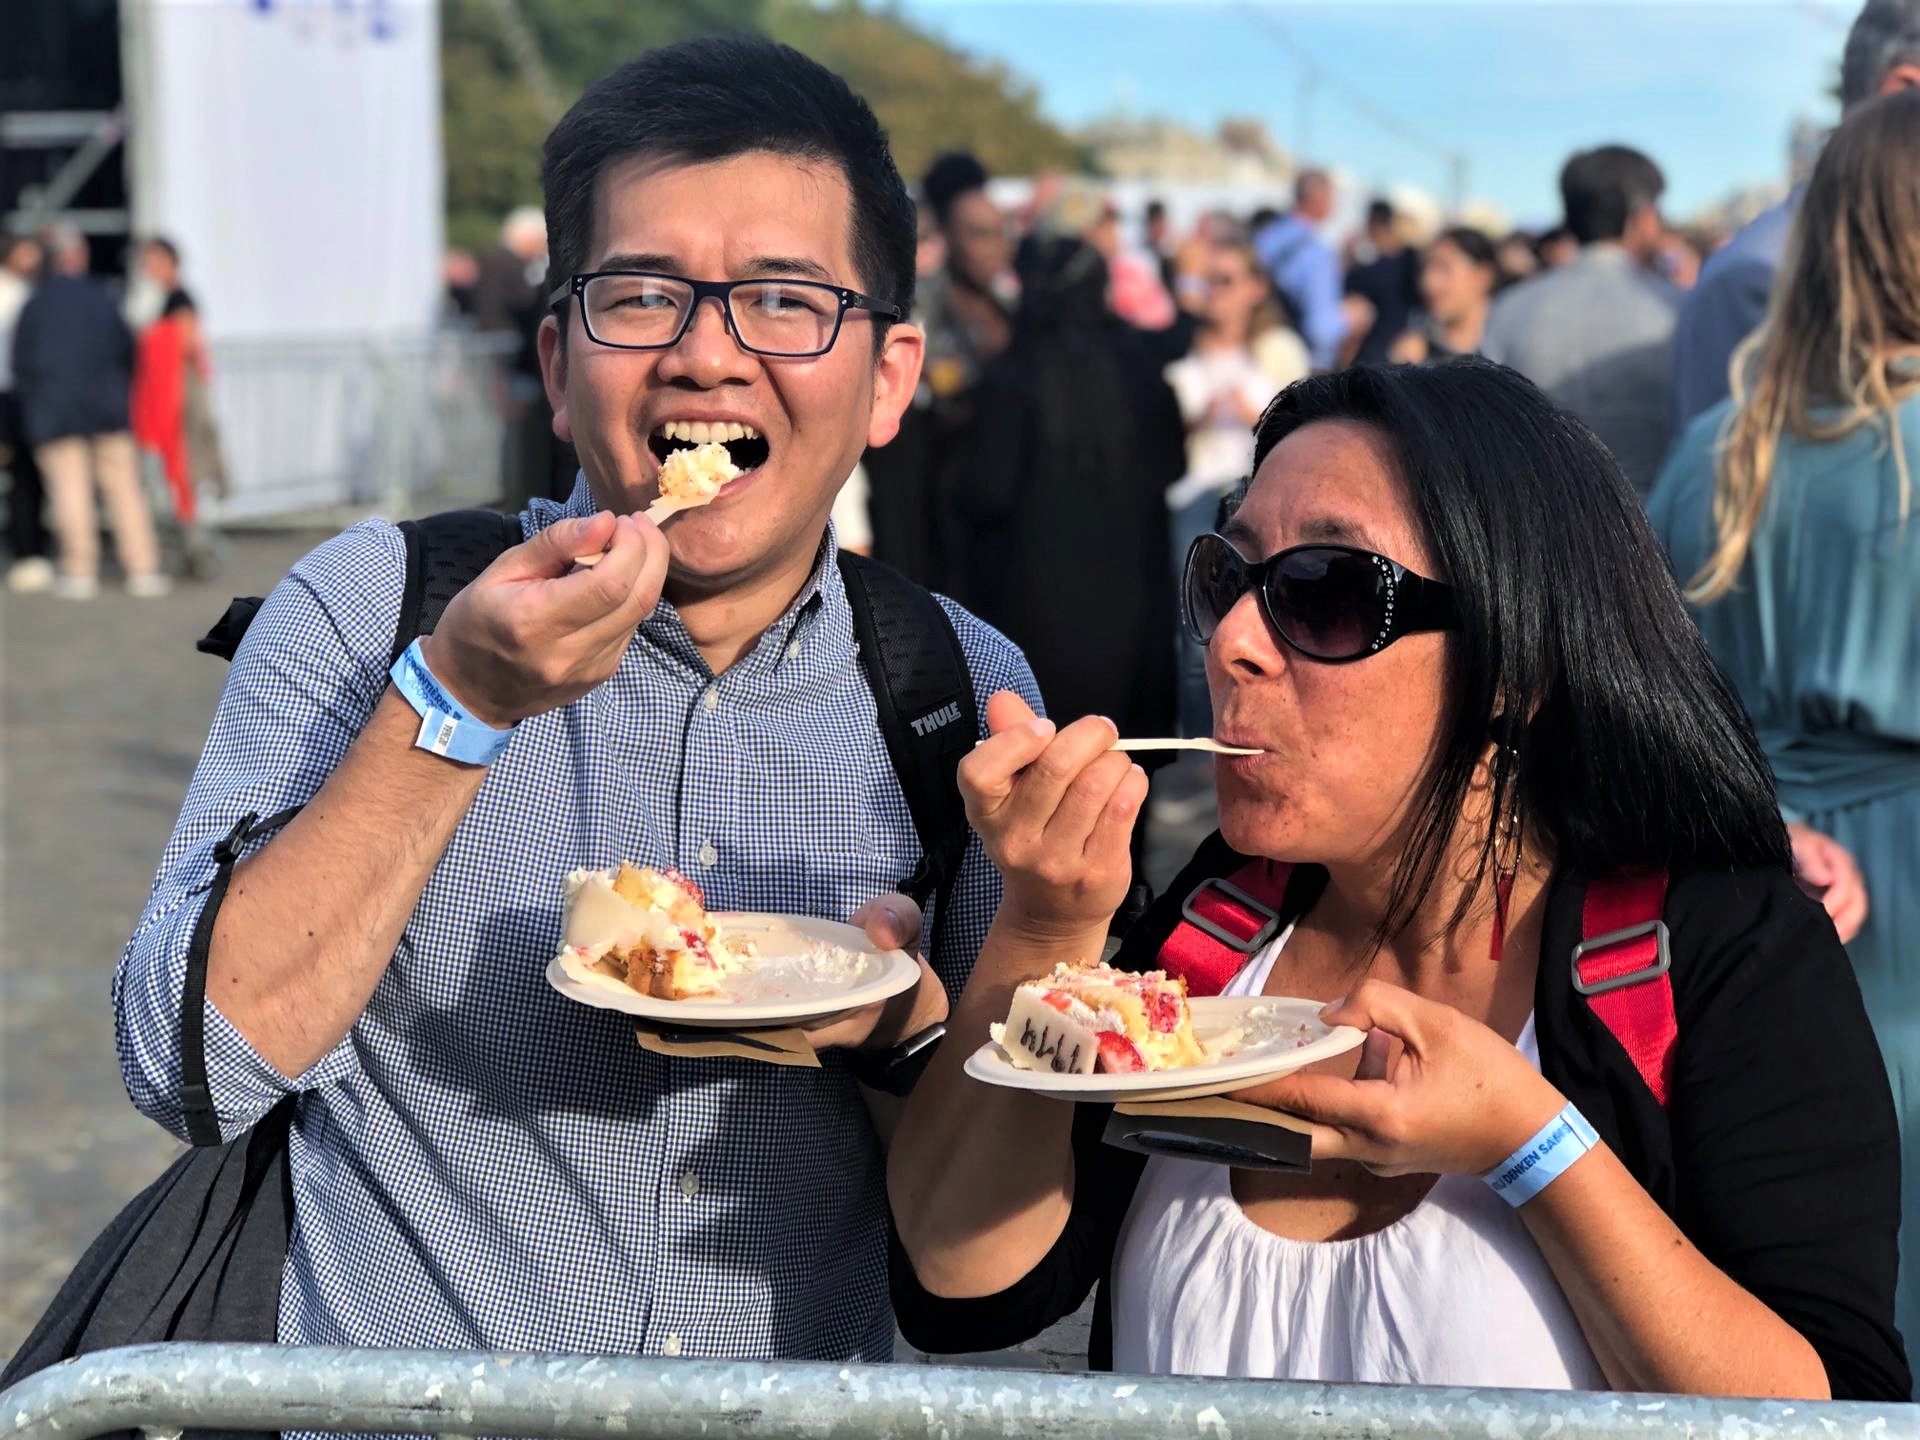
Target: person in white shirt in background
(1243, 355)
(852, 520)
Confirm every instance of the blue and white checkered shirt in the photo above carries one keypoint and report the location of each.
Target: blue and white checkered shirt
(481, 1162)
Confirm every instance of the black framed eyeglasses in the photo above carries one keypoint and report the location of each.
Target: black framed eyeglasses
(1332, 603)
(785, 319)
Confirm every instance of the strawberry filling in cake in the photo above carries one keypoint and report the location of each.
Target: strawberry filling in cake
(650, 930)
(1087, 1018)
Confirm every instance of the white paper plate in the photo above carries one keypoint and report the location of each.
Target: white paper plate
(1281, 1035)
(785, 984)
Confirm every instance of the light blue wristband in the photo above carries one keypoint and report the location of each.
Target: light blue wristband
(1543, 1159)
(445, 727)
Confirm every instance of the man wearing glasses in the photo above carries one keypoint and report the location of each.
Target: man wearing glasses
(477, 1162)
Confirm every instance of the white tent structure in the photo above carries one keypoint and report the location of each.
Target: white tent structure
(292, 149)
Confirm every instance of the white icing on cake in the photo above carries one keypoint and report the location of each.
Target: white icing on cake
(1087, 1017)
(658, 925)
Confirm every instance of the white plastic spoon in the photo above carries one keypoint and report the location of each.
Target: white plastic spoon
(1206, 743)
(659, 511)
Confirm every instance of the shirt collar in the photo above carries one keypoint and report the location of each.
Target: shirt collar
(818, 614)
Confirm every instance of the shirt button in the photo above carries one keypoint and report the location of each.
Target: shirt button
(689, 1185)
(671, 1346)
(793, 649)
(711, 699)
(708, 856)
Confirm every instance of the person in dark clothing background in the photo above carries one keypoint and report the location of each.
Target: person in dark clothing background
(965, 307)
(1389, 282)
(1065, 469)
(507, 301)
(28, 540)
(73, 372)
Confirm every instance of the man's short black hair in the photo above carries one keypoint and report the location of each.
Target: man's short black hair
(714, 98)
(1602, 188)
(1379, 214)
(1156, 210)
(951, 175)
(160, 242)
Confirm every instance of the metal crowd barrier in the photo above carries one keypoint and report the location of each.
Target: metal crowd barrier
(343, 426)
(163, 1389)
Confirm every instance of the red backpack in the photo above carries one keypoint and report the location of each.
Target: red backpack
(1620, 964)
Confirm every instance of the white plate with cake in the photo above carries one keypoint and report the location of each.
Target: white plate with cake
(642, 941)
(1096, 1034)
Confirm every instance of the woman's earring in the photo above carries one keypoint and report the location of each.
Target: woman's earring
(1506, 853)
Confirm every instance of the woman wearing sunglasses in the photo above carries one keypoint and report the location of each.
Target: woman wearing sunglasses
(1441, 619)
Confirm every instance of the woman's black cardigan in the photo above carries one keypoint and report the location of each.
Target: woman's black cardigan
(1778, 1154)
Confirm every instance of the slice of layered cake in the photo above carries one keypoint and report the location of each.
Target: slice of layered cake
(1087, 1018)
(650, 930)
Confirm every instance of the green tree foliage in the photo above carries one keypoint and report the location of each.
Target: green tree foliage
(929, 96)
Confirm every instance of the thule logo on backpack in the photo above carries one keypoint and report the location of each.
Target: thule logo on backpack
(938, 720)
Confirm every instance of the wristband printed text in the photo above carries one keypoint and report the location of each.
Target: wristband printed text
(1543, 1159)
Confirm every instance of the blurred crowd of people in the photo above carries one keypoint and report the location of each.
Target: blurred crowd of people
(1043, 317)
(104, 402)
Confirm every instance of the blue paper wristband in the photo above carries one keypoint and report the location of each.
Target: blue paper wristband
(446, 728)
(1543, 1159)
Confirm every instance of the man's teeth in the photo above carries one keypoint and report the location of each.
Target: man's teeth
(700, 432)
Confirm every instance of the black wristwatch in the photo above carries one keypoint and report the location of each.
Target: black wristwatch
(896, 1071)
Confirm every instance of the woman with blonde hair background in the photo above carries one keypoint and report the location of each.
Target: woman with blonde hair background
(1788, 514)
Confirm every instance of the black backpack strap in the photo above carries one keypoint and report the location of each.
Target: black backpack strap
(196, 1095)
(923, 691)
(445, 553)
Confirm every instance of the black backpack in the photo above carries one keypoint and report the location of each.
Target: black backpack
(198, 1254)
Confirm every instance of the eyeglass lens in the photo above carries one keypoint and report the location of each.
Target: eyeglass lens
(776, 317)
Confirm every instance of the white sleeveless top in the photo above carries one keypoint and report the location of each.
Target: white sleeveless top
(1454, 1293)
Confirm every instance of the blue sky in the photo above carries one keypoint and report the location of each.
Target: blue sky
(1707, 87)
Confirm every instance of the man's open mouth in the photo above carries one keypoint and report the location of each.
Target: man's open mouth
(743, 443)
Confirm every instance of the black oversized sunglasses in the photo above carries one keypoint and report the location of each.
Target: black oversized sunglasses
(1329, 602)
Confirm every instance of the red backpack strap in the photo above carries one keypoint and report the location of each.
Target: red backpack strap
(1621, 966)
(1224, 923)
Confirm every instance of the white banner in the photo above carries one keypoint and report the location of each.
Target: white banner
(292, 149)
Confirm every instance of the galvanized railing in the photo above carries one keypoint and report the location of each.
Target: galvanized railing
(163, 1389)
(344, 426)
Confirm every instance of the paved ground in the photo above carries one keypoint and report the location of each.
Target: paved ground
(102, 713)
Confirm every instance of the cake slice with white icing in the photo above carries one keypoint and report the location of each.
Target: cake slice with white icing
(1084, 1019)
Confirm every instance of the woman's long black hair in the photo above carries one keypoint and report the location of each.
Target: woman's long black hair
(1633, 752)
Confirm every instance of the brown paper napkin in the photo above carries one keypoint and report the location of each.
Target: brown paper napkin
(1214, 1107)
(774, 1047)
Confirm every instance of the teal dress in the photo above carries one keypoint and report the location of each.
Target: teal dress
(1821, 637)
